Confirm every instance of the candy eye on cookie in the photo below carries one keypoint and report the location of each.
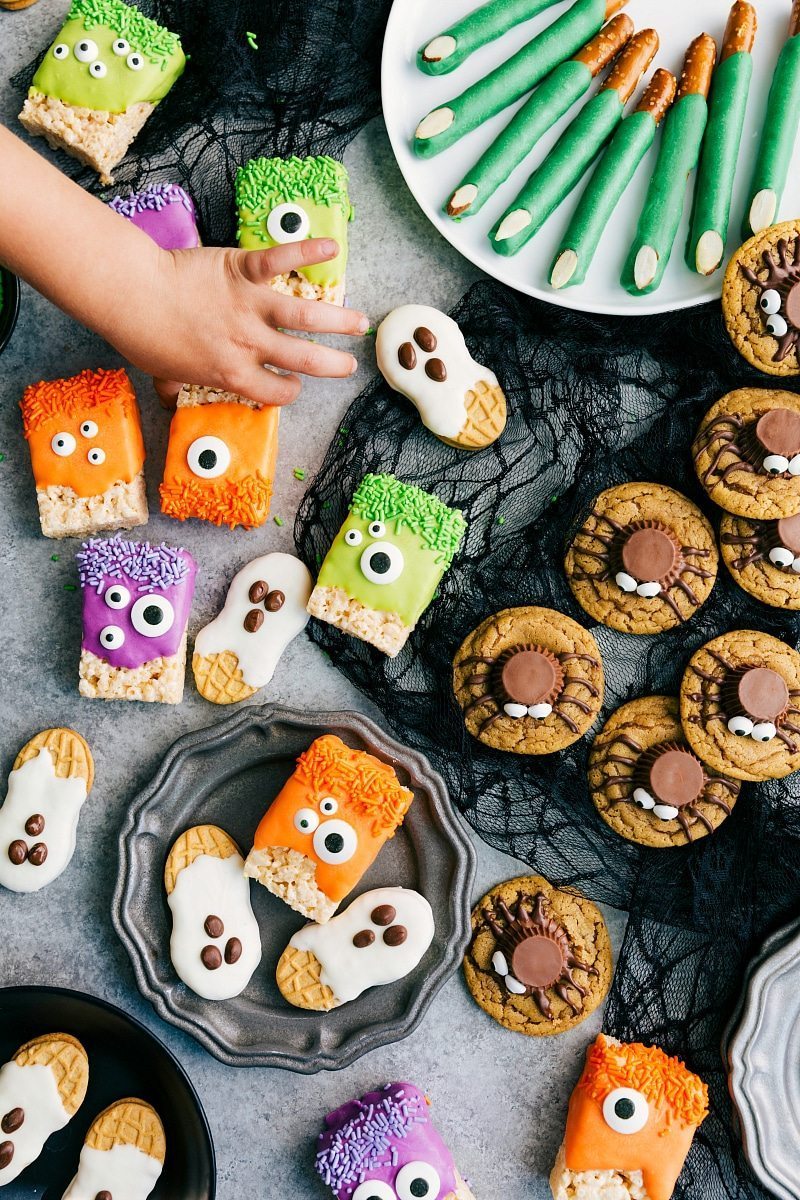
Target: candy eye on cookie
(779, 299)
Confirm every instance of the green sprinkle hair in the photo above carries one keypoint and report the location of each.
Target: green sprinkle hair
(384, 498)
(264, 182)
(145, 35)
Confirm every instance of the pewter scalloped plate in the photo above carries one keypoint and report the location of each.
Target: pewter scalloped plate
(764, 1064)
(227, 775)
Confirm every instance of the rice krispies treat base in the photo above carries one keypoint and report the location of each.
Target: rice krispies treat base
(594, 1185)
(192, 395)
(302, 288)
(290, 876)
(385, 630)
(100, 140)
(63, 513)
(158, 681)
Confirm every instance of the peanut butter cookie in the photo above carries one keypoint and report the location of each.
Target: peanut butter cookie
(761, 299)
(740, 705)
(646, 783)
(530, 681)
(644, 560)
(764, 558)
(747, 453)
(540, 958)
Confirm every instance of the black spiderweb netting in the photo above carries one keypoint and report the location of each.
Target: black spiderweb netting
(311, 84)
(593, 402)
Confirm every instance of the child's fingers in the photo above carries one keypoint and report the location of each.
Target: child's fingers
(308, 358)
(263, 386)
(167, 391)
(313, 316)
(259, 266)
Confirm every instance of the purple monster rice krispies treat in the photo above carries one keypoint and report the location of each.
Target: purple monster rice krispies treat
(384, 1147)
(165, 212)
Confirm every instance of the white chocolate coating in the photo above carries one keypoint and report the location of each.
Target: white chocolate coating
(213, 887)
(35, 1091)
(442, 406)
(35, 788)
(124, 1171)
(258, 652)
(347, 970)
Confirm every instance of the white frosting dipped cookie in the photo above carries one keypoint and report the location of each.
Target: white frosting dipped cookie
(41, 1089)
(237, 652)
(215, 944)
(122, 1156)
(377, 940)
(48, 784)
(422, 354)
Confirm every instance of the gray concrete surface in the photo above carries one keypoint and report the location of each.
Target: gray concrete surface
(500, 1098)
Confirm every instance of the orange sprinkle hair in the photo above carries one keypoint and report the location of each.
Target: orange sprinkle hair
(232, 502)
(373, 791)
(76, 396)
(664, 1081)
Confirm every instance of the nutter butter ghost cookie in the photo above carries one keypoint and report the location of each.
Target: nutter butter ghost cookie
(87, 453)
(422, 354)
(386, 562)
(740, 705)
(763, 557)
(41, 1089)
(326, 826)
(136, 600)
(630, 1125)
(48, 785)
(100, 80)
(220, 458)
(385, 1147)
(283, 200)
(165, 212)
(540, 958)
(646, 782)
(644, 560)
(761, 299)
(122, 1156)
(237, 653)
(529, 680)
(378, 939)
(215, 945)
(747, 453)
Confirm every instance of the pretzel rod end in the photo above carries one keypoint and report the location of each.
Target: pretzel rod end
(657, 97)
(698, 67)
(794, 20)
(740, 31)
(606, 45)
(632, 64)
(614, 6)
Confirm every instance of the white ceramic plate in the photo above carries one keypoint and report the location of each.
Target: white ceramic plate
(408, 94)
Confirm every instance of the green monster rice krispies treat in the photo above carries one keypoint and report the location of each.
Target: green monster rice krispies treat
(287, 200)
(100, 80)
(386, 562)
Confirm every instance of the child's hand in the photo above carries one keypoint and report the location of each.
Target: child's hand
(219, 323)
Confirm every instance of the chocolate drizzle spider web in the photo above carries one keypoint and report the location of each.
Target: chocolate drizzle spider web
(308, 88)
(593, 403)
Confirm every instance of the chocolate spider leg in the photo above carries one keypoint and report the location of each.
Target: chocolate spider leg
(568, 721)
(790, 727)
(670, 603)
(591, 689)
(787, 741)
(571, 657)
(477, 702)
(581, 704)
(687, 591)
(726, 808)
(685, 826)
(541, 998)
(562, 991)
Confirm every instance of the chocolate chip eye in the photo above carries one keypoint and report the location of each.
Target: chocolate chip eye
(625, 1110)
(407, 356)
(425, 339)
(770, 301)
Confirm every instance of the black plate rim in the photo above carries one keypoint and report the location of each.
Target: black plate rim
(381, 1034)
(10, 310)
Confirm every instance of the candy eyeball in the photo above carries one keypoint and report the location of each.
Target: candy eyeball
(354, 537)
(770, 302)
(794, 465)
(63, 444)
(417, 1181)
(625, 1110)
(89, 429)
(377, 529)
(515, 710)
(288, 223)
(665, 812)
(152, 616)
(335, 842)
(328, 806)
(96, 456)
(777, 325)
(116, 596)
(539, 711)
(648, 590)
(111, 637)
(135, 61)
(382, 563)
(98, 69)
(61, 51)
(776, 464)
(120, 47)
(763, 731)
(86, 50)
(643, 798)
(305, 820)
(741, 726)
(781, 557)
(208, 457)
(625, 581)
(374, 1189)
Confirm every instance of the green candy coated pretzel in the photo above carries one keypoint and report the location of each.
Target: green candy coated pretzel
(712, 198)
(777, 142)
(450, 121)
(659, 220)
(453, 46)
(555, 95)
(558, 173)
(630, 143)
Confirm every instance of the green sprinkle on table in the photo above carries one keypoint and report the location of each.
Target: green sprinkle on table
(251, 40)
(501, 520)
(53, 558)
(278, 520)
(299, 473)
(70, 587)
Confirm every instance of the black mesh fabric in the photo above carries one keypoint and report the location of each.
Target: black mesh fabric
(593, 402)
(310, 86)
